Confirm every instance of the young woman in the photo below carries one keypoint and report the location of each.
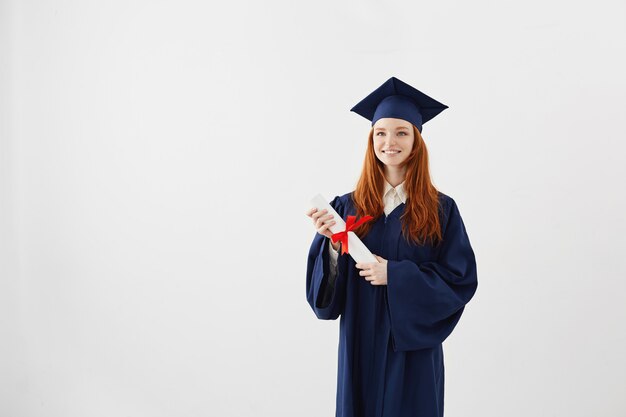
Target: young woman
(395, 313)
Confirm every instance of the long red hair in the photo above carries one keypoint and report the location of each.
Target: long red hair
(420, 220)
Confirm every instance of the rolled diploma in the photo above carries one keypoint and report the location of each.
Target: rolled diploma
(356, 248)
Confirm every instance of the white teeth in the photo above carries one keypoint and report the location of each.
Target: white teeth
(391, 151)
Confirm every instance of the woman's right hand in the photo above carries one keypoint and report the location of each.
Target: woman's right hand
(322, 222)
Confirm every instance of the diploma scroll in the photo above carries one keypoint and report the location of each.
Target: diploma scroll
(358, 251)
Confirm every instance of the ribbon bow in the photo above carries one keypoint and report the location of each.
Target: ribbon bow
(343, 235)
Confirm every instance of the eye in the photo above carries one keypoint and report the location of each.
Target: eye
(404, 133)
(379, 133)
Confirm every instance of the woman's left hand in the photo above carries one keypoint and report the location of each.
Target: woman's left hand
(374, 272)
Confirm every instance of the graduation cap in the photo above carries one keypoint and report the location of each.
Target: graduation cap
(399, 100)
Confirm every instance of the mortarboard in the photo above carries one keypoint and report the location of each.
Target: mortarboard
(399, 100)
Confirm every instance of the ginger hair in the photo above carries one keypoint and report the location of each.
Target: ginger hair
(420, 220)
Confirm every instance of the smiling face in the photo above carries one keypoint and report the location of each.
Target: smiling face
(393, 141)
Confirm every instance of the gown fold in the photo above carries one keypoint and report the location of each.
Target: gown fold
(427, 298)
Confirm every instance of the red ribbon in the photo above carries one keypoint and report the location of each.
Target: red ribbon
(343, 235)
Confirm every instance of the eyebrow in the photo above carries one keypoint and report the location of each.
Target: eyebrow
(399, 127)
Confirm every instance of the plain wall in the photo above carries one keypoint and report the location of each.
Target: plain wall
(157, 159)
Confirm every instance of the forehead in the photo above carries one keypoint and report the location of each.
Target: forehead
(391, 123)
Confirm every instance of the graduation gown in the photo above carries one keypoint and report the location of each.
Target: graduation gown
(390, 356)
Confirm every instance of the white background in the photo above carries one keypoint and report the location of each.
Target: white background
(157, 159)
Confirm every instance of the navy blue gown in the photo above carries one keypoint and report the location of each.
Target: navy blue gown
(390, 361)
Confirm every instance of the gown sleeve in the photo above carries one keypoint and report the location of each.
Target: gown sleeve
(426, 299)
(325, 279)
(332, 257)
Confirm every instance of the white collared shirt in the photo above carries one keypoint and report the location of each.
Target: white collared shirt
(392, 197)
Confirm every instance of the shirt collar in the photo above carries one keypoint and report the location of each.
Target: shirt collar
(399, 190)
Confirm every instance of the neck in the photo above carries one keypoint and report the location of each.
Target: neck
(394, 176)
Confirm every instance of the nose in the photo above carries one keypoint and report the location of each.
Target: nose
(390, 141)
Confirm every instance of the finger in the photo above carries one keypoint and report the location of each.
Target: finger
(322, 221)
(310, 211)
(318, 221)
(326, 226)
(318, 213)
(325, 219)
